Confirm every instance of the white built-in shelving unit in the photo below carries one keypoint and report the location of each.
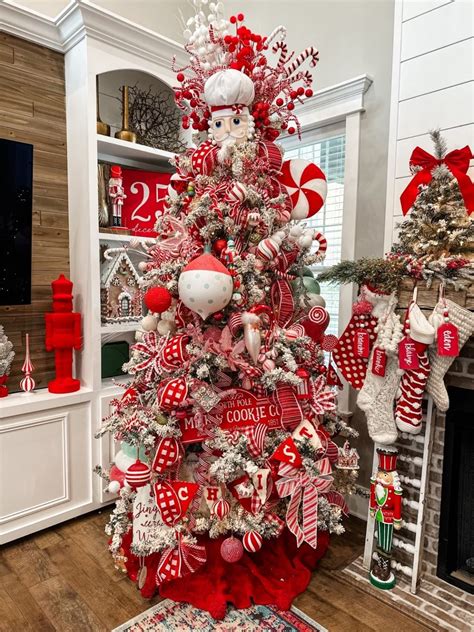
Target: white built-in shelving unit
(50, 438)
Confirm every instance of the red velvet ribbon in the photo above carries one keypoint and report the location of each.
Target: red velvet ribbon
(457, 162)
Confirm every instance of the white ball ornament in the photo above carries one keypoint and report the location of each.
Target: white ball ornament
(142, 266)
(205, 285)
(165, 327)
(149, 323)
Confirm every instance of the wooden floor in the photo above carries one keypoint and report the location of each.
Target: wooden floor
(64, 579)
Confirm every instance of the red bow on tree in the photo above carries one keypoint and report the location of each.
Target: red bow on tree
(457, 162)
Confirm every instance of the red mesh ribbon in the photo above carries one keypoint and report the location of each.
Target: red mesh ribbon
(457, 162)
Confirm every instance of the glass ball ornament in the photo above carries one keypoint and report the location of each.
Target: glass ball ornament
(232, 550)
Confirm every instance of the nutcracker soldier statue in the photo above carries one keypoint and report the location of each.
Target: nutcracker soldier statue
(385, 507)
(63, 334)
(116, 194)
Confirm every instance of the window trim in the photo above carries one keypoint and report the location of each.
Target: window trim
(341, 104)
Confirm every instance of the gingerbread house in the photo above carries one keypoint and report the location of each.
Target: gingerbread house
(120, 294)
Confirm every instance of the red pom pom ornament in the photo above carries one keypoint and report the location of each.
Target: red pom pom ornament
(231, 550)
(158, 299)
(252, 541)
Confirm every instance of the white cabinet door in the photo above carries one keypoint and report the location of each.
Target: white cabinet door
(45, 469)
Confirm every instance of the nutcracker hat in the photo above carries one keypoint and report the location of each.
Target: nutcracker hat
(62, 289)
(231, 66)
(229, 92)
(387, 459)
(115, 171)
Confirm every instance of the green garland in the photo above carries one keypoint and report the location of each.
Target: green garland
(382, 274)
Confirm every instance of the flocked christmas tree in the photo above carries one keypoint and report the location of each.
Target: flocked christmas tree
(226, 428)
(438, 235)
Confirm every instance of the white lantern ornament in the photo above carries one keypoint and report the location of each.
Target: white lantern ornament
(205, 285)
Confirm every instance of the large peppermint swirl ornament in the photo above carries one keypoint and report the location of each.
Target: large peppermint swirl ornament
(316, 322)
(306, 185)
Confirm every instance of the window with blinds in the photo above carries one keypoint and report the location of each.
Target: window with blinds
(329, 155)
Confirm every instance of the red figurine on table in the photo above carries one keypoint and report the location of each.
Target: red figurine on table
(63, 334)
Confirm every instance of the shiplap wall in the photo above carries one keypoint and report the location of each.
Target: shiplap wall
(432, 86)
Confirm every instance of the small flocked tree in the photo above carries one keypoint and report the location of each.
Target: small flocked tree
(6, 358)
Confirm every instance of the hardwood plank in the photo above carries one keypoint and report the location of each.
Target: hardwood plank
(65, 608)
(31, 615)
(30, 564)
(6, 53)
(87, 578)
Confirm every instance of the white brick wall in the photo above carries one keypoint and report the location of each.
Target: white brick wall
(432, 86)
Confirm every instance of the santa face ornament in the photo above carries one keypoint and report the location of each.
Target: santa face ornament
(234, 127)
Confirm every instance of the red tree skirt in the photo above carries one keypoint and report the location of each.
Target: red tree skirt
(274, 576)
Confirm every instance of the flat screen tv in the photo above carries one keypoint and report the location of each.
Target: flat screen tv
(16, 194)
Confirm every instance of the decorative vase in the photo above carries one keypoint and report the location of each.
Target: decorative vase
(125, 133)
(102, 128)
(103, 208)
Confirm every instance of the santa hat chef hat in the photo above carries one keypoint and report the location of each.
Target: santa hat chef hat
(229, 92)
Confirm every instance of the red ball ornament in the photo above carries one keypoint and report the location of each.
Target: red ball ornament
(138, 474)
(252, 541)
(232, 550)
(232, 19)
(291, 105)
(279, 101)
(220, 509)
(219, 245)
(240, 17)
(158, 299)
(308, 92)
(180, 76)
(291, 130)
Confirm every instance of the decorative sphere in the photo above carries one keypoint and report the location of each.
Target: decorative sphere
(138, 474)
(158, 299)
(232, 550)
(149, 323)
(205, 285)
(165, 327)
(221, 508)
(252, 541)
(219, 245)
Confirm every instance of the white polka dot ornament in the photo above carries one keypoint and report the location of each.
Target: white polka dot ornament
(306, 185)
(252, 541)
(205, 285)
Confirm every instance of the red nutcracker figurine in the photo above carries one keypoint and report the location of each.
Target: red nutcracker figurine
(385, 507)
(63, 334)
(117, 194)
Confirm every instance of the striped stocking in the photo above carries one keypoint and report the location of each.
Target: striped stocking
(408, 411)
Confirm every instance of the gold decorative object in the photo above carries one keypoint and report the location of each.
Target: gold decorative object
(102, 128)
(125, 133)
(103, 206)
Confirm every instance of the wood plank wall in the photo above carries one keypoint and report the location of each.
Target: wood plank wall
(434, 52)
(32, 110)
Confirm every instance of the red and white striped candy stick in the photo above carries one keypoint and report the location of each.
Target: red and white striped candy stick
(323, 244)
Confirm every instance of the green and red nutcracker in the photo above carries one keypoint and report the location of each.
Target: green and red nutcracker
(385, 507)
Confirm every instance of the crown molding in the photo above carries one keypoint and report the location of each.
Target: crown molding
(335, 102)
(82, 18)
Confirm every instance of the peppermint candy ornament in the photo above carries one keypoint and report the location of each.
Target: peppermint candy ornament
(306, 186)
(205, 285)
(138, 474)
(316, 322)
(221, 509)
(252, 541)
